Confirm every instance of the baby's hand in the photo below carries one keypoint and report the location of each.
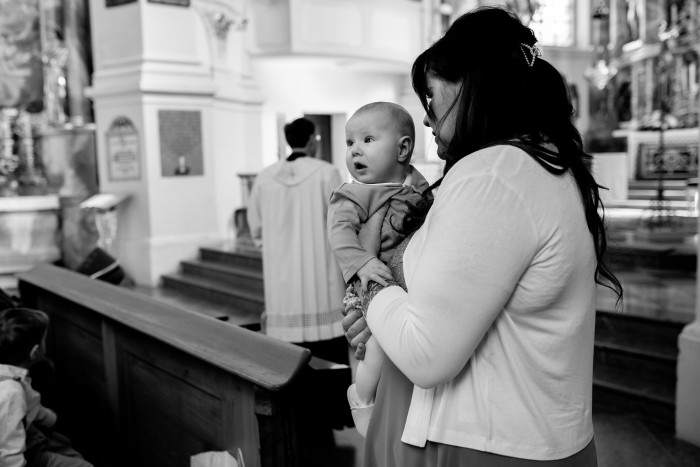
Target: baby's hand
(375, 271)
(46, 417)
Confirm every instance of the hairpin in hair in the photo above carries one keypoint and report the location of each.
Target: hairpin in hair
(534, 53)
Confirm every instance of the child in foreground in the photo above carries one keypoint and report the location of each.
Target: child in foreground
(25, 429)
(379, 138)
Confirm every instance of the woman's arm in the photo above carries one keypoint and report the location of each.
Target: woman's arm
(480, 238)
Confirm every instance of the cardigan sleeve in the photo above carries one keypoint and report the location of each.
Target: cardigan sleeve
(478, 240)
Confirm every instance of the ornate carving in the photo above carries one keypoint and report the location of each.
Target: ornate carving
(220, 22)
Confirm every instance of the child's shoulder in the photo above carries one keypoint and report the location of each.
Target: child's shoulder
(365, 192)
(352, 192)
(418, 181)
(11, 386)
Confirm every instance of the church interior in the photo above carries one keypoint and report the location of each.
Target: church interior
(131, 132)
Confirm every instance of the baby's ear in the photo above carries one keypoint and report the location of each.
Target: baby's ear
(34, 352)
(405, 148)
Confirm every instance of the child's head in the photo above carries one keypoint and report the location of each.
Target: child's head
(22, 336)
(379, 138)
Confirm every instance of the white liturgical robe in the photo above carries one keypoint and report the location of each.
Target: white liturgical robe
(304, 288)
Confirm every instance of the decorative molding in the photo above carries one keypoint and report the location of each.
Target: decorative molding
(220, 21)
(29, 203)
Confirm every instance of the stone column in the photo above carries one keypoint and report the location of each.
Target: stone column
(688, 388)
(176, 82)
(77, 42)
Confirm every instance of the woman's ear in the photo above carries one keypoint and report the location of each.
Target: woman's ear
(405, 148)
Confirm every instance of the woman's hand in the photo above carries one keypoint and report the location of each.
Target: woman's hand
(354, 324)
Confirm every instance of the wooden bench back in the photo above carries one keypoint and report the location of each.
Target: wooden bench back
(140, 382)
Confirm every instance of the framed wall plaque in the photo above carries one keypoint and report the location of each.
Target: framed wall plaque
(676, 161)
(110, 3)
(180, 134)
(123, 150)
(184, 3)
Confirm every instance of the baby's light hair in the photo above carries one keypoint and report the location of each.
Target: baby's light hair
(400, 116)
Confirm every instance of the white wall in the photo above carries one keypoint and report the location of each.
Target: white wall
(176, 60)
(299, 86)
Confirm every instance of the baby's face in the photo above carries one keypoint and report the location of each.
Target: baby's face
(372, 148)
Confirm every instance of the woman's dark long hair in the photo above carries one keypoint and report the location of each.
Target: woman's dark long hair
(505, 100)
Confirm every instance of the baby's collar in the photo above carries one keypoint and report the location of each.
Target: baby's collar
(407, 181)
(12, 371)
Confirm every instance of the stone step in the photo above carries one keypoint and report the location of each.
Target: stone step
(635, 365)
(626, 392)
(630, 382)
(652, 184)
(244, 318)
(669, 195)
(638, 336)
(663, 256)
(241, 299)
(236, 256)
(643, 365)
(647, 204)
(225, 274)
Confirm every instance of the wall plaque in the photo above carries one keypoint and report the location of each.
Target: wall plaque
(109, 3)
(123, 155)
(172, 2)
(180, 142)
(676, 161)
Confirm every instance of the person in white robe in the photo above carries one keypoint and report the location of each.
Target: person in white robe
(287, 212)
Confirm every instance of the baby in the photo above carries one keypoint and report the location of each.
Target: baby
(380, 138)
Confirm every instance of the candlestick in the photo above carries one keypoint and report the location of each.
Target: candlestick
(9, 160)
(30, 176)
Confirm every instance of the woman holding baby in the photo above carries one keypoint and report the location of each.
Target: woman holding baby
(490, 349)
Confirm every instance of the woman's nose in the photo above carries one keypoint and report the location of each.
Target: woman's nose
(426, 120)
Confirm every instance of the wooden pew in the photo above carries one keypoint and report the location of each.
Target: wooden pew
(141, 383)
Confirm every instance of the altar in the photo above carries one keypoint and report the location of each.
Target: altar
(47, 140)
(28, 235)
